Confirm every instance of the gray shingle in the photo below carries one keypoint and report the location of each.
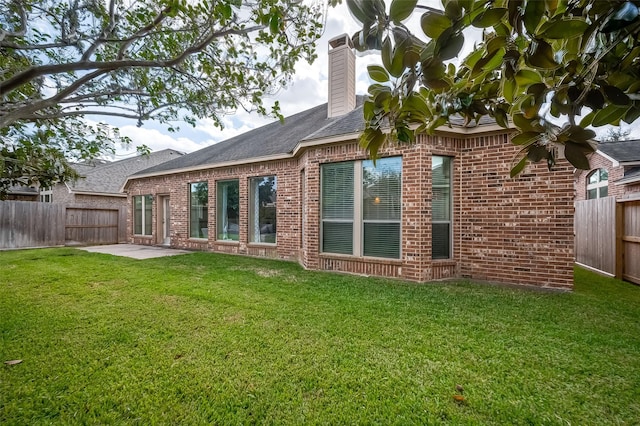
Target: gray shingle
(622, 151)
(276, 138)
(109, 177)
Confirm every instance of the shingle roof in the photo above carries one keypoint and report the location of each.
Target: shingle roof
(109, 177)
(630, 176)
(272, 139)
(277, 138)
(621, 151)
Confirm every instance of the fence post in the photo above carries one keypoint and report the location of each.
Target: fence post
(619, 253)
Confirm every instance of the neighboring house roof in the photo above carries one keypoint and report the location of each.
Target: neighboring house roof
(621, 151)
(277, 139)
(22, 190)
(109, 178)
(630, 176)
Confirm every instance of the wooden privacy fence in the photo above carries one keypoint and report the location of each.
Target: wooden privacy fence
(32, 224)
(608, 236)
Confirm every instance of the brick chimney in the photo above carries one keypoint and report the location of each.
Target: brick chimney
(342, 76)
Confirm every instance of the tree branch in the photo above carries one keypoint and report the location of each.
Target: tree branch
(22, 30)
(35, 72)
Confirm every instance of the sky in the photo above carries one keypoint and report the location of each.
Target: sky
(308, 88)
(309, 80)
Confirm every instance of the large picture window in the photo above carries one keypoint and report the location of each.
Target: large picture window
(262, 209)
(228, 201)
(441, 207)
(142, 205)
(361, 208)
(198, 210)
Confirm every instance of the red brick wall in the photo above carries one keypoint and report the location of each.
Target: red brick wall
(176, 186)
(598, 161)
(504, 230)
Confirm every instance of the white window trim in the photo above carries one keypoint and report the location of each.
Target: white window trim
(450, 221)
(143, 216)
(358, 217)
(190, 210)
(598, 185)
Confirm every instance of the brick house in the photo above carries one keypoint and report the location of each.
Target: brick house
(615, 172)
(304, 190)
(101, 181)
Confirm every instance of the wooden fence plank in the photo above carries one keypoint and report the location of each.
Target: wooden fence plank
(33, 224)
(595, 234)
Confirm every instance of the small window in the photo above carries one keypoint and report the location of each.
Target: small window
(598, 184)
(262, 210)
(46, 194)
(228, 201)
(142, 209)
(441, 207)
(198, 210)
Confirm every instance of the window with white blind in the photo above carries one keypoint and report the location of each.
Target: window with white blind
(361, 207)
(441, 207)
(142, 213)
(337, 207)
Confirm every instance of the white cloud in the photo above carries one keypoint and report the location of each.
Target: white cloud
(157, 140)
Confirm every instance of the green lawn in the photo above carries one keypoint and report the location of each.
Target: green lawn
(206, 338)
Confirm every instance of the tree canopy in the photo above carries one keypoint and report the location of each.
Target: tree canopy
(539, 62)
(62, 62)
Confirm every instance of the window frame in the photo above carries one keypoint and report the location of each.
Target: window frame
(253, 183)
(205, 215)
(597, 186)
(146, 203)
(450, 207)
(358, 222)
(219, 201)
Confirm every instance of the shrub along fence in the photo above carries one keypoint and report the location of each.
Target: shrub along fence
(608, 236)
(33, 224)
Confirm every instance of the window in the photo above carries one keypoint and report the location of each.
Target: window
(262, 210)
(198, 211)
(381, 207)
(598, 184)
(441, 207)
(228, 200)
(361, 208)
(46, 194)
(142, 205)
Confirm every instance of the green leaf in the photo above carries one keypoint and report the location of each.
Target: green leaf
(452, 47)
(518, 168)
(534, 11)
(575, 154)
(594, 99)
(525, 138)
(564, 28)
(541, 55)
(360, 11)
(536, 153)
(372, 140)
(609, 115)
(587, 119)
(525, 77)
(378, 73)
(489, 17)
(433, 24)
(401, 10)
(615, 95)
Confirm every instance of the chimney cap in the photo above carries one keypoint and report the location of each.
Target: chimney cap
(341, 40)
